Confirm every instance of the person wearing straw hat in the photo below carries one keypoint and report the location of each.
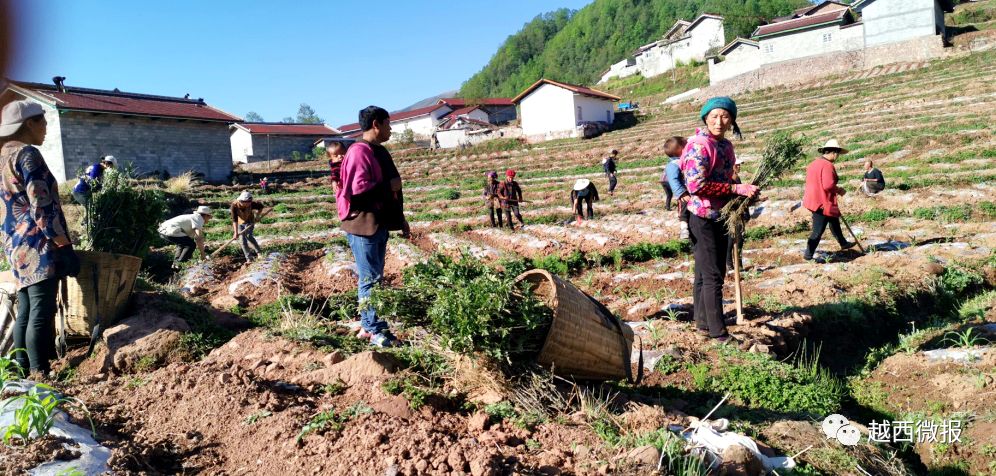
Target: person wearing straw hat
(90, 181)
(36, 239)
(583, 192)
(245, 214)
(491, 198)
(820, 197)
(707, 164)
(187, 233)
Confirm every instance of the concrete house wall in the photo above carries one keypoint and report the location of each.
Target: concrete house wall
(890, 21)
(743, 58)
(817, 41)
(594, 109)
(241, 145)
(275, 146)
(547, 109)
(149, 144)
(422, 126)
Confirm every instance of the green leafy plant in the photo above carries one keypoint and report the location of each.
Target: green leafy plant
(36, 416)
(123, 216)
(330, 420)
(252, 419)
(9, 368)
(781, 153)
(966, 339)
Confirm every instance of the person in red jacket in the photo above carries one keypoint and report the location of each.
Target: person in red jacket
(820, 197)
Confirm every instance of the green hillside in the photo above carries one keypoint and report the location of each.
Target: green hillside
(576, 46)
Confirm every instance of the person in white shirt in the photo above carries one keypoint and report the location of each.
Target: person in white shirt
(187, 233)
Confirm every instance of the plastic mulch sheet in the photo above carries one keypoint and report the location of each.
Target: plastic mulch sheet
(266, 269)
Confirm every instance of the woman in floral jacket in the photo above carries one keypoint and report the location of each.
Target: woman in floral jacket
(35, 237)
(707, 165)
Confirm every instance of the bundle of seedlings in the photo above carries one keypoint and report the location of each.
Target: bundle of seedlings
(470, 307)
(781, 153)
(122, 215)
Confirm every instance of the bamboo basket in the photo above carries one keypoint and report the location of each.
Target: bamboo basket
(115, 278)
(585, 340)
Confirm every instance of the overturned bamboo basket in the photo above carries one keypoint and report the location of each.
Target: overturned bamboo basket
(585, 341)
(99, 294)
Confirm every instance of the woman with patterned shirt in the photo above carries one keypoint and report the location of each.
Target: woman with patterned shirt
(707, 165)
(35, 237)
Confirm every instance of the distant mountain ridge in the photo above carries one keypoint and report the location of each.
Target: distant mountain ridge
(576, 46)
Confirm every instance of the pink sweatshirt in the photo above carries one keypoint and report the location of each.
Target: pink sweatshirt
(360, 173)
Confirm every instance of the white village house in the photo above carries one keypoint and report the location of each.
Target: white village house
(551, 110)
(422, 122)
(685, 42)
(499, 110)
(153, 133)
(259, 141)
(864, 34)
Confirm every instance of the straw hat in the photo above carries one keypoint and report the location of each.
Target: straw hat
(245, 196)
(204, 210)
(15, 113)
(581, 184)
(739, 161)
(832, 144)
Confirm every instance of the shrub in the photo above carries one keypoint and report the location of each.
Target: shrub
(122, 217)
(451, 194)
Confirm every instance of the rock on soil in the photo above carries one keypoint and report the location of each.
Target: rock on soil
(740, 461)
(140, 342)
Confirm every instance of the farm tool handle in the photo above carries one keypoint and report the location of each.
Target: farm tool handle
(856, 240)
(98, 329)
(238, 234)
(736, 278)
(626, 348)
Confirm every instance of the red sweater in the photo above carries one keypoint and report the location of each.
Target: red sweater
(821, 188)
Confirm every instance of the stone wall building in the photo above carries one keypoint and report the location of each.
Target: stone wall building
(259, 141)
(152, 133)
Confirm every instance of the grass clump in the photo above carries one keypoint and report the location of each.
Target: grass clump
(758, 381)
(330, 420)
(204, 334)
(470, 306)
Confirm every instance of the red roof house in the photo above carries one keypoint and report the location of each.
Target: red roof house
(259, 141)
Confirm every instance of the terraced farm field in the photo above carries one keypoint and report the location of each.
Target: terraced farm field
(876, 337)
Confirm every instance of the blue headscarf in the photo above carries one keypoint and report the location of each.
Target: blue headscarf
(725, 103)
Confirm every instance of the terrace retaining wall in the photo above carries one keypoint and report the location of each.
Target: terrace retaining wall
(812, 68)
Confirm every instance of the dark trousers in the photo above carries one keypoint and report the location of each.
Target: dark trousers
(708, 245)
(34, 326)
(250, 248)
(820, 222)
(509, 211)
(579, 207)
(185, 247)
(668, 195)
(495, 213)
(612, 182)
(730, 242)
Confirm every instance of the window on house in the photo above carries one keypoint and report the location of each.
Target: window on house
(827, 37)
(769, 48)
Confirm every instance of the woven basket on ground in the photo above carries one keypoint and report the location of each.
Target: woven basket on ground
(85, 303)
(585, 340)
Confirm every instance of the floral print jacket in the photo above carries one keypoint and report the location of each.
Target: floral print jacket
(707, 165)
(31, 213)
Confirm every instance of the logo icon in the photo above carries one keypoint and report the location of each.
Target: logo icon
(836, 427)
(833, 423)
(848, 435)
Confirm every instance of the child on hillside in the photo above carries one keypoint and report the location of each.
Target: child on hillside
(673, 181)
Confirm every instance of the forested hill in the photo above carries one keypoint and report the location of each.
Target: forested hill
(577, 46)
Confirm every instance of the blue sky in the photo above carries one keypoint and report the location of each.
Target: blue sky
(268, 56)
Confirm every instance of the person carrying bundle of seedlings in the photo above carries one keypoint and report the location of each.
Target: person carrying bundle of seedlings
(707, 165)
(674, 182)
(510, 195)
(187, 233)
(245, 214)
(820, 197)
(584, 192)
(609, 166)
(90, 181)
(491, 198)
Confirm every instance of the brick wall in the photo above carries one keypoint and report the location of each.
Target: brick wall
(173, 145)
(818, 67)
(280, 147)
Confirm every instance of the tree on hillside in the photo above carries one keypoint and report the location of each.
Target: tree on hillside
(252, 116)
(306, 115)
(578, 46)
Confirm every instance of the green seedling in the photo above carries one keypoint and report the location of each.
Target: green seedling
(9, 368)
(251, 419)
(964, 340)
(37, 413)
(330, 420)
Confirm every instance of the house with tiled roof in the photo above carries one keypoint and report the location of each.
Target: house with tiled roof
(421, 121)
(551, 109)
(684, 42)
(259, 141)
(499, 110)
(863, 34)
(153, 133)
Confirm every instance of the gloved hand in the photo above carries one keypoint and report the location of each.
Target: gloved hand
(67, 262)
(745, 189)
